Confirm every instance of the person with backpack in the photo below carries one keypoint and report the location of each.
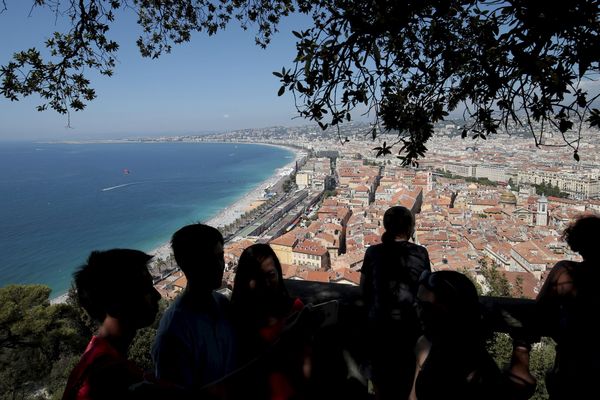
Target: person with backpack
(389, 282)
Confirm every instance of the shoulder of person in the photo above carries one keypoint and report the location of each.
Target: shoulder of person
(562, 270)
(416, 247)
(176, 320)
(174, 309)
(374, 248)
(423, 345)
(372, 253)
(221, 300)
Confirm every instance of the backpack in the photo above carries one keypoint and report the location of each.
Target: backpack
(395, 275)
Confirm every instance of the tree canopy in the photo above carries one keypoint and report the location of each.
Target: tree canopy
(406, 63)
(39, 341)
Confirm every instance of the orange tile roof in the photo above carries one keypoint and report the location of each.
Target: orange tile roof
(317, 276)
(346, 274)
(180, 282)
(310, 247)
(371, 239)
(528, 283)
(288, 239)
(288, 270)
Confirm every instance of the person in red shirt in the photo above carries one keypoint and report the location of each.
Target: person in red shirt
(115, 288)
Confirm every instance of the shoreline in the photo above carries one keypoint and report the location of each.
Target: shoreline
(229, 213)
(236, 209)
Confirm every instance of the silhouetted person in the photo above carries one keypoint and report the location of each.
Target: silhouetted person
(389, 277)
(261, 306)
(194, 344)
(452, 360)
(569, 305)
(115, 288)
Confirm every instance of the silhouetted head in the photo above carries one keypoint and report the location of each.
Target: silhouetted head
(398, 221)
(582, 236)
(117, 283)
(448, 306)
(198, 250)
(259, 280)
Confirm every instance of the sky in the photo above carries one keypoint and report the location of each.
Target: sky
(210, 84)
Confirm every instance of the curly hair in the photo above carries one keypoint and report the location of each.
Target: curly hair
(582, 235)
(110, 281)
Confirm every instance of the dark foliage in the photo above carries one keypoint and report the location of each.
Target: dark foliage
(408, 63)
(549, 190)
(412, 62)
(36, 337)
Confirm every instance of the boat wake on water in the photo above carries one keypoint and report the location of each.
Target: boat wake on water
(106, 189)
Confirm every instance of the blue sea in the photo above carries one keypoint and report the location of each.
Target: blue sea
(60, 201)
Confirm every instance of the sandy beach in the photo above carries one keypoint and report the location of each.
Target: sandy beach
(228, 214)
(235, 210)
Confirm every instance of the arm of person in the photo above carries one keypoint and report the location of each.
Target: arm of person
(366, 278)
(427, 260)
(111, 379)
(521, 383)
(558, 283)
(421, 352)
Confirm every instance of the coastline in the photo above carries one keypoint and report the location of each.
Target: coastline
(229, 213)
(236, 209)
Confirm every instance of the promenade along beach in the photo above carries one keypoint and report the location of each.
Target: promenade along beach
(245, 203)
(60, 201)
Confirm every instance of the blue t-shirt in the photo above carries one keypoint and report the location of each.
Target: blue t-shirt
(194, 344)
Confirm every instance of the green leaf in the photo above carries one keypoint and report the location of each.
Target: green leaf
(594, 118)
(281, 91)
(564, 125)
(581, 100)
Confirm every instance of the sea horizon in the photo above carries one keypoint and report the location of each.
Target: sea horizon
(59, 201)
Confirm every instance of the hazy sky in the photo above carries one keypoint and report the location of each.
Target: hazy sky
(221, 82)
